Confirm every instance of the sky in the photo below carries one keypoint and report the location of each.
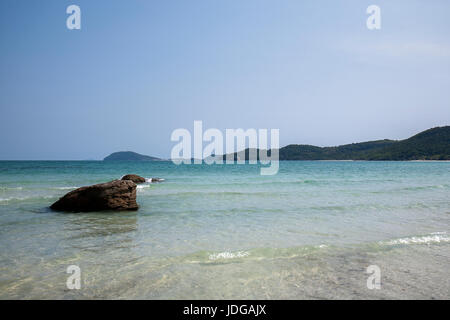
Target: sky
(137, 70)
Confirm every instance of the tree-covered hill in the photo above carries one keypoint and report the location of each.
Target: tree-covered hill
(129, 156)
(345, 152)
(432, 144)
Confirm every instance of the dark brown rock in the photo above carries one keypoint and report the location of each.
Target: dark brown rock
(156, 180)
(134, 177)
(114, 195)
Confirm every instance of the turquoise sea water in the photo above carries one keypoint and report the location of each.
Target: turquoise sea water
(225, 231)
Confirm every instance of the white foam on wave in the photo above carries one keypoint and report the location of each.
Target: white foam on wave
(14, 199)
(11, 188)
(150, 180)
(25, 198)
(143, 186)
(436, 237)
(228, 255)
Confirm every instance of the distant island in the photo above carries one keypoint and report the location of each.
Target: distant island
(432, 144)
(129, 156)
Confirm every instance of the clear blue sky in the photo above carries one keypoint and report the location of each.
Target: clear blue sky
(139, 69)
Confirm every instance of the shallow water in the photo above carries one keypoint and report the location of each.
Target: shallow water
(225, 231)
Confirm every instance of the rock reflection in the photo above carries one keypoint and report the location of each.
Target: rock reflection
(94, 231)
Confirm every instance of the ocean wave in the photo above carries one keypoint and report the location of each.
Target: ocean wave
(228, 255)
(31, 188)
(150, 180)
(222, 257)
(188, 194)
(11, 188)
(436, 237)
(412, 189)
(6, 200)
(419, 188)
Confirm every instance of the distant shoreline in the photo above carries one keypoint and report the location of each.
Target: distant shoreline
(168, 160)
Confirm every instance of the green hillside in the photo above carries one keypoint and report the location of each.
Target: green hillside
(345, 152)
(432, 144)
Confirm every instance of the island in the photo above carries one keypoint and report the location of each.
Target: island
(129, 156)
(431, 144)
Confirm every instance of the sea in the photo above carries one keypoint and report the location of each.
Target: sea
(315, 230)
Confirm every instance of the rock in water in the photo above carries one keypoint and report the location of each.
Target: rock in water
(114, 195)
(134, 177)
